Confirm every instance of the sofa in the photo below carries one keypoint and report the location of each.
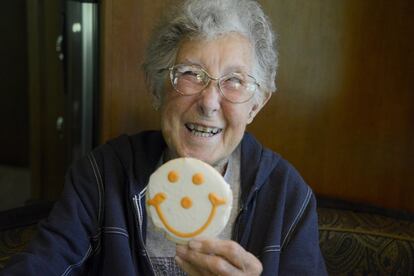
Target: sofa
(358, 239)
(355, 239)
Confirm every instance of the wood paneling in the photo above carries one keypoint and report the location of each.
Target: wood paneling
(46, 97)
(344, 110)
(126, 104)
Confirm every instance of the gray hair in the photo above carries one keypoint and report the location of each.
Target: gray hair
(206, 20)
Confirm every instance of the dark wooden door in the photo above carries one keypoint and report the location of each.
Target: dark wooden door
(46, 100)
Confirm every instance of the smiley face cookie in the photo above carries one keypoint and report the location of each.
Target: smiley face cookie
(188, 198)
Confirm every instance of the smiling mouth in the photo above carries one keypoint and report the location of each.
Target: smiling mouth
(202, 131)
(160, 197)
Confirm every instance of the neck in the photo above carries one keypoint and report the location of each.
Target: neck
(220, 166)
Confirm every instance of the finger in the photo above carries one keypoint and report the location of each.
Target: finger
(187, 267)
(230, 250)
(206, 263)
(183, 258)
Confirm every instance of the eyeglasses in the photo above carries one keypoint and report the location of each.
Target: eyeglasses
(193, 79)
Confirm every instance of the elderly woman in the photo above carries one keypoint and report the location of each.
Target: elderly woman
(211, 67)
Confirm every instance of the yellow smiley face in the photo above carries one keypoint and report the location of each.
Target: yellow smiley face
(187, 198)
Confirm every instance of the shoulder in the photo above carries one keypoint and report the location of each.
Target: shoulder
(281, 187)
(265, 166)
(293, 183)
(269, 164)
(126, 148)
(296, 203)
(116, 156)
(285, 180)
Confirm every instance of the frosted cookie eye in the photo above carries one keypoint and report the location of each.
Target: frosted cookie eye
(198, 179)
(186, 202)
(173, 176)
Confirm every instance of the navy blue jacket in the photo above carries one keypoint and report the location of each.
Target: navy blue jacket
(98, 226)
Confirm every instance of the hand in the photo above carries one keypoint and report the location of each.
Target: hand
(217, 257)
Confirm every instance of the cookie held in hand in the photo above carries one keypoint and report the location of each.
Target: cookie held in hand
(188, 198)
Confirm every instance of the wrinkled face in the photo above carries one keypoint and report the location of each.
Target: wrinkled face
(207, 126)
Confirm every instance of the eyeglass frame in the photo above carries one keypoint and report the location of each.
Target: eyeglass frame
(210, 78)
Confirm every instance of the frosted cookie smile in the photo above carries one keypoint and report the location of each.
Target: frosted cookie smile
(187, 198)
(186, 203)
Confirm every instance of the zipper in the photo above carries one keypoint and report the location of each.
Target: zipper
(237, 225)
(242, 209)
(139, 217)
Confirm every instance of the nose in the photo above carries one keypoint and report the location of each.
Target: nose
(209, 101)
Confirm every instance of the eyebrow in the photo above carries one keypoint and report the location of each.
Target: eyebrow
(189, 62)
(237, 68)
(228, 70)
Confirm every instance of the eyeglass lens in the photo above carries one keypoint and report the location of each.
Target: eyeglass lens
(190, 80)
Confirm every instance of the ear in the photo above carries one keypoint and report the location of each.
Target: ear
(258, 105)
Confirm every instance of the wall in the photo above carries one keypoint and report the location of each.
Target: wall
(344, 109)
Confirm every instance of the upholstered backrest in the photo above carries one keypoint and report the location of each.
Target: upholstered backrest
(353, 242)
(360, 243)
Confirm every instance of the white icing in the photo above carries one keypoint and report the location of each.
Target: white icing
(191, 219)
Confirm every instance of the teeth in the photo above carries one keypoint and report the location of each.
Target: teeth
(201, 134)
(203, 131)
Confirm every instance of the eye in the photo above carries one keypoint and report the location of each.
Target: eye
(233, 82)
(191, 74)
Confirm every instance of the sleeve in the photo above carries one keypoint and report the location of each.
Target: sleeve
(64, 240)
(300, 252)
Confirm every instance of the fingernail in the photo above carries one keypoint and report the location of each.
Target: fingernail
(178, 260)
(194, 244)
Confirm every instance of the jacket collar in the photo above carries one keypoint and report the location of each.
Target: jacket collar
(133, 150)
(256, 164)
